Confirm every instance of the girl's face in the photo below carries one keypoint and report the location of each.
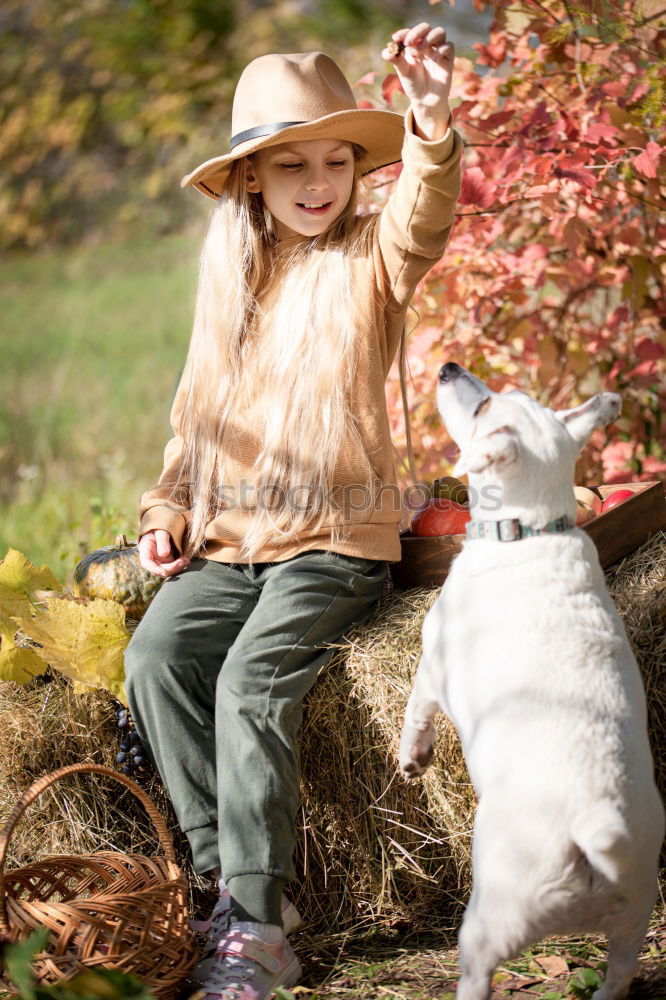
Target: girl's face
(305, 185)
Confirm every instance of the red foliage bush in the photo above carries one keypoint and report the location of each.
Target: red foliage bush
(552, 281)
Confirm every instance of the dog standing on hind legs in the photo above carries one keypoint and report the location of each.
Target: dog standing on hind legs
(527, 655)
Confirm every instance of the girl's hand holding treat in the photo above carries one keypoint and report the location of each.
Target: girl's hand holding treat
(423, 60)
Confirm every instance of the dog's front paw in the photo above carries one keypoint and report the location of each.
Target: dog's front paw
(416, 749)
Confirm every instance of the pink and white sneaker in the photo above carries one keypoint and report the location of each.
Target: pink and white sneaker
(246, 967)
(218, 925)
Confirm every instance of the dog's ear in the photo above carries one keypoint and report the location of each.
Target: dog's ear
(598, 411)
(498, 450)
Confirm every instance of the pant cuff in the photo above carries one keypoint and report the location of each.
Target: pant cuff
(205, 852)
(256, 897)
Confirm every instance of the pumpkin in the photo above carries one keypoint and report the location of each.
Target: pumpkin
(449, 488)
(114, 573)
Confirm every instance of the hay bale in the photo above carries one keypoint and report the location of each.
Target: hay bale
(372, 849)
(638, 588)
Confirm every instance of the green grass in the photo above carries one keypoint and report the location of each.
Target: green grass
(92, 342)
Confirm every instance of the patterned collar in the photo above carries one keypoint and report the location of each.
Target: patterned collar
(511, 530)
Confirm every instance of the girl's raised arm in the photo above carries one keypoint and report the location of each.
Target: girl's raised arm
(415, 224)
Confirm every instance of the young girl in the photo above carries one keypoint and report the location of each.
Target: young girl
(278, 508)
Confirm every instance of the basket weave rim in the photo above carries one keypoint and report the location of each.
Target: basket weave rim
(36, 789)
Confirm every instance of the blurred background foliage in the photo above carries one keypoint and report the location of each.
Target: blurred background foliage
(108, 103)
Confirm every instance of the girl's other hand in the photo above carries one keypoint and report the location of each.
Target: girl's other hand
(425, 68)
(156, 554)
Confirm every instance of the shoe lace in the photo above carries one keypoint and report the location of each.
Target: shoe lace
(230, 972)
(219, 920)
(217, 925)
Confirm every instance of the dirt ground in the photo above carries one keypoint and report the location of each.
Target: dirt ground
(395, 967)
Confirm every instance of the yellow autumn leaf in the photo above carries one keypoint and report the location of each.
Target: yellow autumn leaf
(85, 642)
(19, 663)
(7, 629)
(19, 580)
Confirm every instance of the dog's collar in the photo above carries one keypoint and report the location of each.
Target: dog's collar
(511, 530)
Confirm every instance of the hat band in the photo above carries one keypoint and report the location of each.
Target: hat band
(259, 130)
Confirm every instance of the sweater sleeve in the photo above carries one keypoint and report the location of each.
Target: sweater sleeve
(166, 505)
(415, 223)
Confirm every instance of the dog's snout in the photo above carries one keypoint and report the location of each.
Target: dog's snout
(614, 403)
(449, 371)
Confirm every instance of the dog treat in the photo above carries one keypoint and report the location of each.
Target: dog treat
(395, 48)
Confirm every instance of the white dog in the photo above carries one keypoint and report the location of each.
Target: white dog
(526, 654)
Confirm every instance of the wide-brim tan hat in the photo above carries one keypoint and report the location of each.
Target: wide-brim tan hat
(303, 95)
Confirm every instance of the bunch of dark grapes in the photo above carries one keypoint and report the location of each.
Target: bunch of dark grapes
(131, 759)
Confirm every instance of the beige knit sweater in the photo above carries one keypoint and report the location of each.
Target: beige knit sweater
(403, 242)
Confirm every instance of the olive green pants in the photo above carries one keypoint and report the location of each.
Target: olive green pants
(216, 674)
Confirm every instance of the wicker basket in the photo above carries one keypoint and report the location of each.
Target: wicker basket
(121, 911)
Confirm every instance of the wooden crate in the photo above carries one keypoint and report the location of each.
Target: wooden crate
(425, 562)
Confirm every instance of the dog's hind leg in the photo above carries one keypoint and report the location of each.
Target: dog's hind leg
(418, 732)
(623, 952)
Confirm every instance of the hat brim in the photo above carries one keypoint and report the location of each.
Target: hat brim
(380, 133)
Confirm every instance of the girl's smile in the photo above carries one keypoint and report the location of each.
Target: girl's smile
(305, 185)
(319, 209)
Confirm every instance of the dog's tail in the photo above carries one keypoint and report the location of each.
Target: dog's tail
(603, 837)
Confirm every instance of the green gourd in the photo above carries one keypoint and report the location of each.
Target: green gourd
(114, 573)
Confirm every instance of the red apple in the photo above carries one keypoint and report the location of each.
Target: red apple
(440, 517)
(613, 499)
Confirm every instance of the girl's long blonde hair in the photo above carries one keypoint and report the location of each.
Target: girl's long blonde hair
(273, 356)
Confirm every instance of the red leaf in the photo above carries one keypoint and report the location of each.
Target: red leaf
(618, 317)
(647, 369)
(648, 160)
(617, 455)
(654, 467)
(368, 78)
(475, 189)
(492, 121)
(391, 85)
(599, 131)
(614, 89)
(584, 177)
(365, 104)
(541, 165)
(492, 54)
(534, 252)
(575, 232)
(649, 350)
